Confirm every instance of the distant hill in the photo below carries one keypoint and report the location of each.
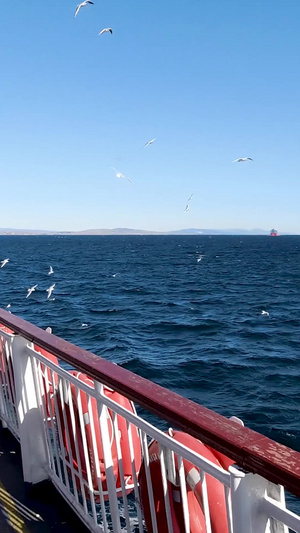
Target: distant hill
(129, 231)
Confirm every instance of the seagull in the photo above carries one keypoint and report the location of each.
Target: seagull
(150, 142)
(50, 271)
(8, 305)
(265, 313)
(29, 291)
(85, 3)
(50, 290)
(3, 263)
(187, 203)
(119, 175)
(242, 159)
(105, 30)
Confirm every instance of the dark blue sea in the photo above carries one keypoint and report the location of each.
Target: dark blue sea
(183, 311)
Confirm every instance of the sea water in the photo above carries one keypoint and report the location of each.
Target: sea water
(183, 311)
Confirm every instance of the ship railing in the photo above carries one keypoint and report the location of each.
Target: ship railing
(41, 403)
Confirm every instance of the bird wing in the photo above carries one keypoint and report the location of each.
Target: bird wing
(77, 9)
(128, 179)
(100, 32)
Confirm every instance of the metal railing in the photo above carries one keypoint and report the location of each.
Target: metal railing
(80, 429)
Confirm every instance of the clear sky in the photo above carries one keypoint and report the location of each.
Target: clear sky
(211, 81)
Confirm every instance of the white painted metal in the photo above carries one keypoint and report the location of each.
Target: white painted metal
(165, 487)
(8, 413)
(111, 482)
(45, 397)
(285, 519)
(149, 481)
(30, 417)
(205, 502)
(252, 509)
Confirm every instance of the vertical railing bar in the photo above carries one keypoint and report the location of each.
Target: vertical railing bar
(3, 395)
(149, 480)
(38, 384)
(86, 452)
(97, 463)
(121, 469)
(51, 421)
(183, 493)
(60, 430)
(54, 417)
(9, 382)
(228, 508)
(78, 473)
(205, 501)
(165, 488)
(108, 461)
(134, 476)
(94, 451)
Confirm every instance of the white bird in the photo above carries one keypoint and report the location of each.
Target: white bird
(242, 159)
(85, 3)
(8, 305)
(3, 263)
(265, 313)
(120, 175)
(105, 30)
(187, 203)
(51, 271)
(150, 142)
(50, 290)
(29, 291)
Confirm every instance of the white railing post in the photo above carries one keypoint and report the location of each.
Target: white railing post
(29, 412)
(248, 496)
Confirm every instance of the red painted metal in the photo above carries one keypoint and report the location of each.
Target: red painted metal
(249, 449)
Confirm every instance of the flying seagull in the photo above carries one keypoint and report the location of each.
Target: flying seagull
(187, 203)
(242, 159)
(29, 291)
(265, 313)
(50, 290)
(119, 175)
(85, 3)
(51, 271)
(105, 30)
(150, 142)
(3, 263)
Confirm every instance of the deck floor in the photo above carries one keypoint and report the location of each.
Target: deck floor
(38, 509)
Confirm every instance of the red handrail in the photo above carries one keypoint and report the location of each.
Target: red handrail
(251, 450)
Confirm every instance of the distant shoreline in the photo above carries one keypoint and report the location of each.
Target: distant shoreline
(128, 232)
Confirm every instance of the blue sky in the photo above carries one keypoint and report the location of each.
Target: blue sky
(211, 81)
